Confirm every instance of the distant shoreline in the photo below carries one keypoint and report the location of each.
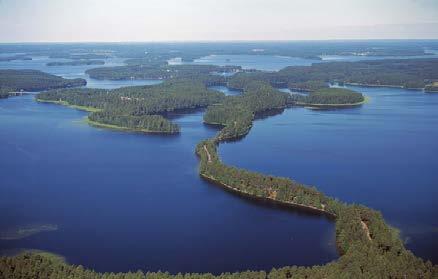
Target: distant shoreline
(322, 106)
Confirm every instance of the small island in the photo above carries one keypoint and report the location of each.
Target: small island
(326, 98)
(76, 63)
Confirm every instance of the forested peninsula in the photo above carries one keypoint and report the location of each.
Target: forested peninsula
(139, 108)
(12, 81)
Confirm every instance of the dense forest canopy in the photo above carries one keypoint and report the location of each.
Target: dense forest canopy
(407, 73)
(33, 80)
(330, 96)
(138, 107)
(236, 113)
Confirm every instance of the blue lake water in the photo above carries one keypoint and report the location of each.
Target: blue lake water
(126, 201)
(382, 155)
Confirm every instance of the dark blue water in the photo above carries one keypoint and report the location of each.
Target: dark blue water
(382, 155)
(126, 201)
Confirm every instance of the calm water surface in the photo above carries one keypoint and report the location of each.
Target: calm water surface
(126, 201)
(382, 155)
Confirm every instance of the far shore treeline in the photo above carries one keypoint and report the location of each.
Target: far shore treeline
(33, 80)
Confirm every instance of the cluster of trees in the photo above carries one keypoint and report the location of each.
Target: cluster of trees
(77, 63)
(152, 71)
(255, 184)
(144, 123)
(138, 107)
(236, 113)
(31, 266)
(150, 60)
(354, 265)
(406, 73)
(33, 80)
(329, 96)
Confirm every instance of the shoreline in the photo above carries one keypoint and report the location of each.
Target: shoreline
(249, 195)
(381, 85)
(366, 100)
(43, 253)
(102, 125)
(64, 103)
(121, 128)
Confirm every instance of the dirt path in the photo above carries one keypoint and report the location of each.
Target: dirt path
(208, 153)
(366, 229)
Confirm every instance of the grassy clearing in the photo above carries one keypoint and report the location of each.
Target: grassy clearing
(64, 103)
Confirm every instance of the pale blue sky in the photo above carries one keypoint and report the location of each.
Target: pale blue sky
(176, 20)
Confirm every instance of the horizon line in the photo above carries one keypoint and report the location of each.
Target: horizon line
(221, 41)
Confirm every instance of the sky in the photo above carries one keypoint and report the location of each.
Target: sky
(215, 20)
